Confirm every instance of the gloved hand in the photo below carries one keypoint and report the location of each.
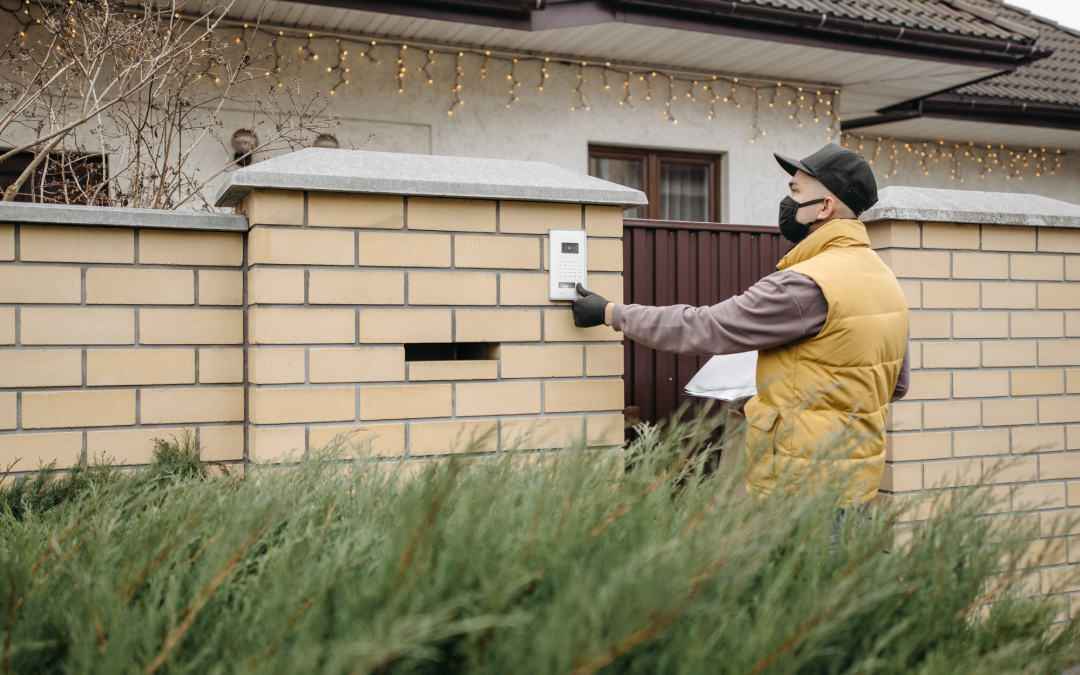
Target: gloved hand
(589, 308)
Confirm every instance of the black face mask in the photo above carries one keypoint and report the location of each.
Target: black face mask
(792, 229)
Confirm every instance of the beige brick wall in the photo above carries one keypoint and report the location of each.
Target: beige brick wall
(110, 337)
(995, 329)
(339, 284)
(271, 343)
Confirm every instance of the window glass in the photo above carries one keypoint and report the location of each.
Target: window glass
(628, 172)
(684, 192)
(61, 178)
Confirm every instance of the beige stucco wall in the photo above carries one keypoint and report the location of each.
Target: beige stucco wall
(903, 162)
(110, 337)
(995, 384)
(541, 126)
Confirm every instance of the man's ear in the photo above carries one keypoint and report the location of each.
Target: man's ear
(828, 209)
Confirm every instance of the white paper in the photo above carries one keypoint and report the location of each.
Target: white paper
(727, 378)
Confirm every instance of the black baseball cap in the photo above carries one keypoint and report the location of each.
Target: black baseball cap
(845, 173)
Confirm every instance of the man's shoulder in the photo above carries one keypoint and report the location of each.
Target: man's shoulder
(791, 280)
(787, 290)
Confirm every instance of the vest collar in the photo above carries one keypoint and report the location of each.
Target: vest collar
(838, 233)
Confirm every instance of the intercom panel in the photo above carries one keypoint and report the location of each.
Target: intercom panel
(568, 263)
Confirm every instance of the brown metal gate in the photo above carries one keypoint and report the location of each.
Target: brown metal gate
(672, 263)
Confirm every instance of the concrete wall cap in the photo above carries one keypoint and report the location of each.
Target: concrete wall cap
(108, 216)
(930, 205)
(394, 173)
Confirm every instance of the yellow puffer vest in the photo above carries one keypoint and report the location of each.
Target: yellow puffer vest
(832, 390)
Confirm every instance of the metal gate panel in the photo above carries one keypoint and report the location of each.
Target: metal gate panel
(669, 263)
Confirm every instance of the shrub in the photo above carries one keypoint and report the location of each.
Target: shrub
(175, 459)
(44, 490)
(523, 563)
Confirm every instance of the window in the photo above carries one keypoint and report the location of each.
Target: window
(71, 179)
(680, 186)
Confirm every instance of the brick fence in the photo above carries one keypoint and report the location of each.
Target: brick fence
(111, 336)
(405, 297)
(995, 322)
(418, 316)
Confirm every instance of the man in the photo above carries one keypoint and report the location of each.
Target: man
(830, 328)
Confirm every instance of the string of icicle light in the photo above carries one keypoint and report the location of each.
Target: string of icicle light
(986, 159)
(805, 105)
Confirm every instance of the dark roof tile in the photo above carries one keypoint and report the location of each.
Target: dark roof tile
(930, 15)
(1054, 80)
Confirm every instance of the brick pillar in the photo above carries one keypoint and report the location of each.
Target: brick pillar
(339, 284)
(995, 357)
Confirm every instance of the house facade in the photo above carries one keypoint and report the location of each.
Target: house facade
(683, 98)
(969, 95)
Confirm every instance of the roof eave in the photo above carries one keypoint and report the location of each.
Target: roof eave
(826, 31)
(724, 17)
(977, 109)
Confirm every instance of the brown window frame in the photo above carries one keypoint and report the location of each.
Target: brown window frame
(651, 159)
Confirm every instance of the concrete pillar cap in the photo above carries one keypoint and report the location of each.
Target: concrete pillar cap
(394, 173)
(931, 205)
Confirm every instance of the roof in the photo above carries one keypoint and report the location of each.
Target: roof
(1054, 80)
(962, 206)
(941, 16)
(1042, 93)
(395, 173)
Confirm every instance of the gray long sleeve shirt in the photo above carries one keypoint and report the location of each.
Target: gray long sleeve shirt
(783, 307)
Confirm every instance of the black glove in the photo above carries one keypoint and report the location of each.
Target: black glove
(589, 309)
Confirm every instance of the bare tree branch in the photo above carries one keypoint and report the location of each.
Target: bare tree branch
(141, 90)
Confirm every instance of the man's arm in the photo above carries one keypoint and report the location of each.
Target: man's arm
(781, 308)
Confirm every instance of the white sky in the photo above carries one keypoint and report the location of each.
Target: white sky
(1065, 12)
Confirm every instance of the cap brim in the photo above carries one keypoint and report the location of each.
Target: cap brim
(792, 165)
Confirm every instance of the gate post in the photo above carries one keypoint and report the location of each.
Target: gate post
(404, 298)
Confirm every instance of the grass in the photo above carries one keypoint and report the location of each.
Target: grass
(507, 565)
